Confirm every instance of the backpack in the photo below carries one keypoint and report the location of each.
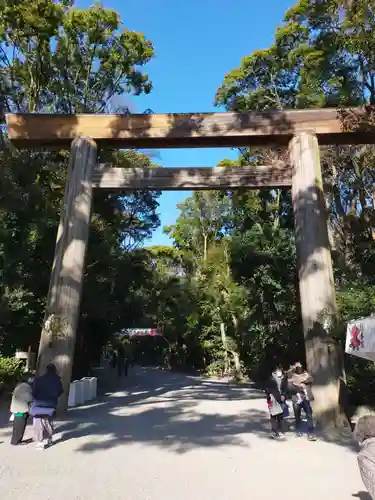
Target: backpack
(274, 407)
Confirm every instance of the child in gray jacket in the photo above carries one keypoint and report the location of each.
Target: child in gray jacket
(19, 407)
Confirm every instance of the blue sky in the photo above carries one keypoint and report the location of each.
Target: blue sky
(196, 43)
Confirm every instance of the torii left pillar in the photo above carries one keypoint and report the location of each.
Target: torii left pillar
(58, 338)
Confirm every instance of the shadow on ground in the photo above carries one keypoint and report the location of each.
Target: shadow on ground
(168, 410)
(162, 409)
(173, 412)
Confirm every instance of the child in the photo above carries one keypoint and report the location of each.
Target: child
(302, 394)
(19, 407)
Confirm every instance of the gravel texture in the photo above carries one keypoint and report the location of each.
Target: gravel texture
(173, 437)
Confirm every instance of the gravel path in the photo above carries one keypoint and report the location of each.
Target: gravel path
(173, 437)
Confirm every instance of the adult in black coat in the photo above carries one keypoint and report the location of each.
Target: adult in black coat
(299, 387)
(276, 389)
(46, 392)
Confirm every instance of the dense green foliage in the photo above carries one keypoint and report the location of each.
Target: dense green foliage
(10, 371)
(226, 293)
(57, 58)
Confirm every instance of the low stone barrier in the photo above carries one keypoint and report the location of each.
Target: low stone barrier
(82, 391)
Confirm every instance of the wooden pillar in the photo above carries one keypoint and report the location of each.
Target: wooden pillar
(316, 284)
(58, 336)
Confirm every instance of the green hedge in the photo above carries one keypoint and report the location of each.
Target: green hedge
(10, 371)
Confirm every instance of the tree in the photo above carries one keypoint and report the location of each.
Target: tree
(202, 235)
(225, 302)
(263, 261)
(204, 219)
(105, 61)
(90, 61)
(321, 56)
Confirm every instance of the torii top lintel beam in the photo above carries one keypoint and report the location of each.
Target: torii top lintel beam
(192, 130)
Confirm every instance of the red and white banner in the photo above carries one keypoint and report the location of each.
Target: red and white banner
(142, 332)
(360, 338)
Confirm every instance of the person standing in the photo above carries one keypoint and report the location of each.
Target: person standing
(126, 365)
(19, 407)
(276, 391)
(120, 360)
(365, 435)
(46, 392)
(113, 361)
(299, 385)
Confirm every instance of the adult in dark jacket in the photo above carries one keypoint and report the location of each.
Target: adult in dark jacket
(299, 387)
(46, 392)
(276, 391)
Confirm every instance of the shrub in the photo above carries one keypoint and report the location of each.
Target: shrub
(215, 369)
(10, 371)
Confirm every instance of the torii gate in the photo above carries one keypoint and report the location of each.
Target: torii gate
(300, 129)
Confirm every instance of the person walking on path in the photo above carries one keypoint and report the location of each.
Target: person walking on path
(46, 392)
(120, 360)
(126, 365)
(113, 361)
(275, 391)
(19, 407)
(365, 436)
(299, 385)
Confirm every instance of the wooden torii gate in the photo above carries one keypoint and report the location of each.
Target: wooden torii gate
(301, 130)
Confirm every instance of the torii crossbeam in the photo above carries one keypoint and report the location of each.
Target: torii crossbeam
(193, 130)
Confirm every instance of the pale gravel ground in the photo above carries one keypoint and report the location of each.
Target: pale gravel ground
(171, 437)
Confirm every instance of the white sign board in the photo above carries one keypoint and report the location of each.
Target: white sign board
(360, 338)
(141, 332)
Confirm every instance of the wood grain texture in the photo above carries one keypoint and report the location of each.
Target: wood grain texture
(190, 130)
(198, 178)
(316, 284)
(57, 345)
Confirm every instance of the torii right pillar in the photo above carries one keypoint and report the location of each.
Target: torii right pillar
(316, 284)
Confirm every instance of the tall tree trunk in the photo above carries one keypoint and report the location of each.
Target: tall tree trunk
(237, 364)
(58, 338)
(205, 247)
(224, 342)
(316, 284)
